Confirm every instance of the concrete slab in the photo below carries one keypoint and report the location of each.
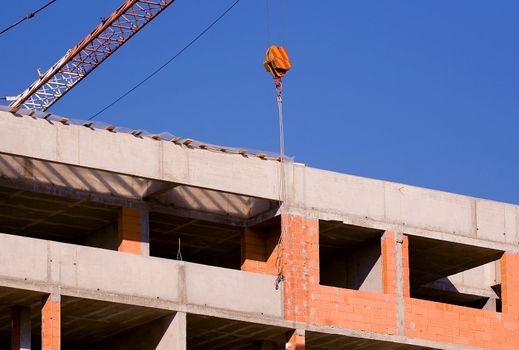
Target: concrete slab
(124, 278)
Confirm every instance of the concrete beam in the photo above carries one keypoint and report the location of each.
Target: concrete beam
(146, 158)
(323, 194)
(402, 208)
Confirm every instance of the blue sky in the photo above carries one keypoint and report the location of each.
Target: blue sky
(420, 92)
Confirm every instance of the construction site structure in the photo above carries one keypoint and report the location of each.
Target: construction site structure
(113, 32)
(123, 240)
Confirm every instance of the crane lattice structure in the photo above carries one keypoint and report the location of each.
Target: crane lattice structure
(83, 58)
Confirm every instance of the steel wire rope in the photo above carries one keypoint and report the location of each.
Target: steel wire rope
(282, 193)
(267, 22)
(28, 16)
(279, 263)
(283, 22)
(168, 61)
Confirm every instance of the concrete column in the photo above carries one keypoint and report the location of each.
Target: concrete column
(133, 231)
(295, 340)
(401, 276)
(175, 336)
(21, 328)
(51, 322)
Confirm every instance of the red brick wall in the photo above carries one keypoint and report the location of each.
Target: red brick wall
(308, 301)
(51, 323)
(129, 230)
(468, 326)
(259, 250)
(510, 283)
(388, 251)
(461, 325)
(295, 340)
(405, 266)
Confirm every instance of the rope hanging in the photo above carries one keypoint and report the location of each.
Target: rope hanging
(278, 64)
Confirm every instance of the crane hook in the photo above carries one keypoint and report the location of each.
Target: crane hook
(278, 64)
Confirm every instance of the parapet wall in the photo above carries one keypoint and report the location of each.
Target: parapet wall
(79, 271)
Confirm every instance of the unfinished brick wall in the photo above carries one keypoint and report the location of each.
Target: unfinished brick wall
(305, 300)
(308, 301)
(295, 340)
(259, 250)
(388, 250)
(405, 267)
(467, 326)
(51, 322)
(129, 230)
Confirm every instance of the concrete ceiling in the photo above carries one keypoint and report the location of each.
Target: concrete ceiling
(200, 241)
(430, 260)
(450, 296)
(83, 321)
(337, 235)
(10, 297)
(210, 333)
(321, 341)
(121, 190)
(51, 217)
(86, 321)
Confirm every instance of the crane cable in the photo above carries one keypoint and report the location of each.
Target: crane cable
(267, 24)
(28, 16)
(278, 64)
(282, 190)
(152, 74)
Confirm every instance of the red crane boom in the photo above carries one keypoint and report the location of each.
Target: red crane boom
(83, 58)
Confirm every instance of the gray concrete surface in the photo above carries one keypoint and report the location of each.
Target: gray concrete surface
(76, 271)
(323, 194)
(124, 190)
(476, 281)
(95, 281)
(359, 269)
(37, 138)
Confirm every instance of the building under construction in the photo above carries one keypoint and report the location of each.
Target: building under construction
(118, 239)
(115, 239)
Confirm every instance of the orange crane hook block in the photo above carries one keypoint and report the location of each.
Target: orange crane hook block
(277, 63)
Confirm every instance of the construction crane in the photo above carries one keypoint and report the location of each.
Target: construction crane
(83, 58)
